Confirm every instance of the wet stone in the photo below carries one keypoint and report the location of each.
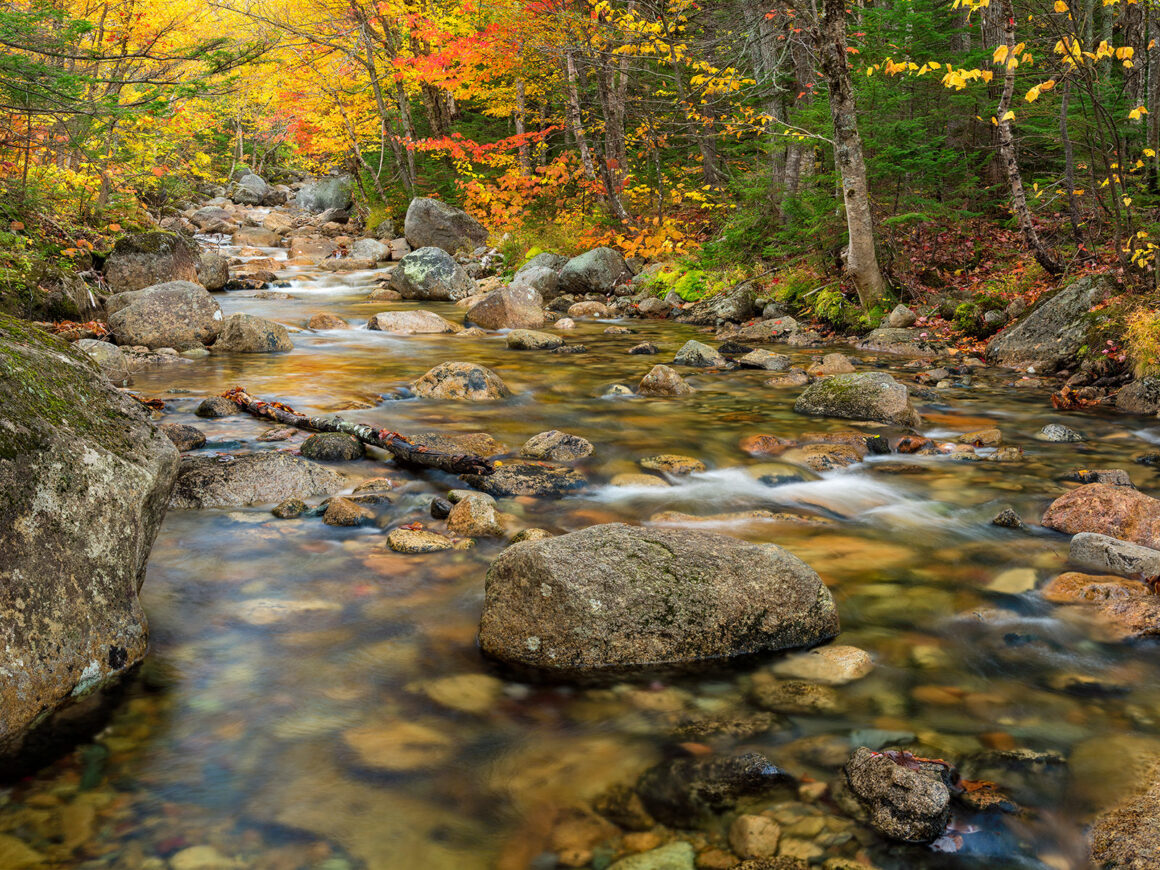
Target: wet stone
(333, 447)
(183, 437)
(671, 463)
(531, 535)
(1110, 476)
(417, 541)
(1058, 433)
(903, 803)
(397, 747)
(765, 359)
(216, 406)
(830, 665)
(289, 509)
(556, 446)
(475, 517)
(683, 792)
(646, 348)
(663, 381)
(344, 512)
(528, 478)
(792, 697)
(1008, 519)
(440, 508)
(279, 433)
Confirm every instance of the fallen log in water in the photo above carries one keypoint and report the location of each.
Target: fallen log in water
(399, 446)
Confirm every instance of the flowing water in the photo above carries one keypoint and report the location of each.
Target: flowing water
(279, 646)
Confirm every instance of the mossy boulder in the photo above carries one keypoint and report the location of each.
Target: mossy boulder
(872, 396)
(1053, 334)
(177, 314)
(597, 271)
(613, 598)
(143, 259)
(84, 477)
(431, 274)
(326, 193)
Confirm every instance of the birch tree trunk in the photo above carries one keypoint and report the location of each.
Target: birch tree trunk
(1009, 157)
(861, 259)
(521, 130)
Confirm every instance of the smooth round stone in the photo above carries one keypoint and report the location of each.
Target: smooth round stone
(671, 463)
(417, 541)
(397, 747)
(630, 479)
(830, 665)
(466, 693)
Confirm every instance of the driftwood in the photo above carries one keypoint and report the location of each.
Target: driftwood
(397, 445)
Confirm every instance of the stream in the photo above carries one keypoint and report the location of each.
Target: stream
(274, 641)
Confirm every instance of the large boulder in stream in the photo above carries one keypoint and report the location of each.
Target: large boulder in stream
(247, 333)
(872, 396)
(431, 274)
(258, 478)
(143, 259)
(461, 381)
(618, 598)
(176, 314)
(431, 223)
(250, 189)
(325, 193)
(84, 480)
(597, 271)
(1050, 337)
(514, 307)
(1120, 512)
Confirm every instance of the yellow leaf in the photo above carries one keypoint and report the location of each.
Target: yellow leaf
(1127, 201)
(1009, 116)
(1000, 54)
(1060, 6)
(1033, 94)
(1148, 152)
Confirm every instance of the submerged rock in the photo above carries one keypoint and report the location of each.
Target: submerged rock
(674, 856)
(685, 791)
(620, 597)
(906, 802)
(864, 396)
(258, 478)
(528, 479)
(85, 477)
